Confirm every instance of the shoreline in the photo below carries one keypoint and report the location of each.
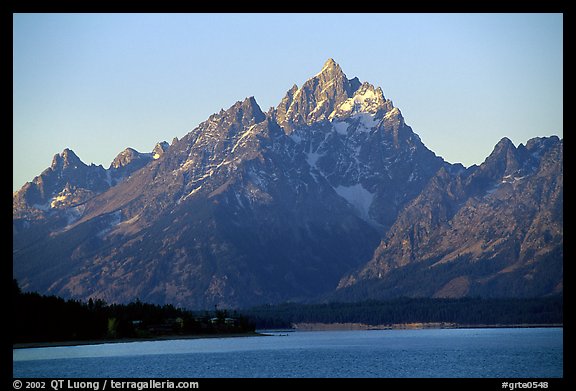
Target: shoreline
(316, 326)
(50, 344)
(296, 327)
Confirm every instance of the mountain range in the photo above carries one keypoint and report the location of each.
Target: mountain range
(328, 196)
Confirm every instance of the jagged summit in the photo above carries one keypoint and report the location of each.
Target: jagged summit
(503, 146)
(66, 158)
(329, 66)
(125, 157)
(69, 181)
(160, 149)
(331, 71)
(132, 158)
(317, 97)
(248, 112)
(242, 113)
(330, 95)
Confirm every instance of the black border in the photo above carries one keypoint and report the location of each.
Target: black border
(396, 6)
(298, 6)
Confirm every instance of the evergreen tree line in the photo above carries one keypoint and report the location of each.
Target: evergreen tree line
(463, 311)
(39, 318)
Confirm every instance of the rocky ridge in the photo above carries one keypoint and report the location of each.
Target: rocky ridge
(328, 195)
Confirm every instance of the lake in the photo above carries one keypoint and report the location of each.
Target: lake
(425, 353)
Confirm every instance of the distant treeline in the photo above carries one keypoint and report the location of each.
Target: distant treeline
(464, 311)
(39, 318)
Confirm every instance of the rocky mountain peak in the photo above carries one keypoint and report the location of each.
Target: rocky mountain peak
(240, 114)
(536, 146)
(67, 158)
(330, 71)
(125, 157)
(66, 182)
(503, 146)
(248, 112)
(505, 160)
(330, 95)
(317, 98)
(330, 65)
(160, 149)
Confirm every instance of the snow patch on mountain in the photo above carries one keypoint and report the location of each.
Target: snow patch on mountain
(367, 100)
(357, 196)
(341, 127)
(366, 121)
(312, 158)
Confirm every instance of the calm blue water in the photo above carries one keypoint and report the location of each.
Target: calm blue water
(447, 353)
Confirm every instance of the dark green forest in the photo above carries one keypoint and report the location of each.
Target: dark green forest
(39, 318)
(464, 311)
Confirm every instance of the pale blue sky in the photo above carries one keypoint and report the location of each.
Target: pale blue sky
(98, 83)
